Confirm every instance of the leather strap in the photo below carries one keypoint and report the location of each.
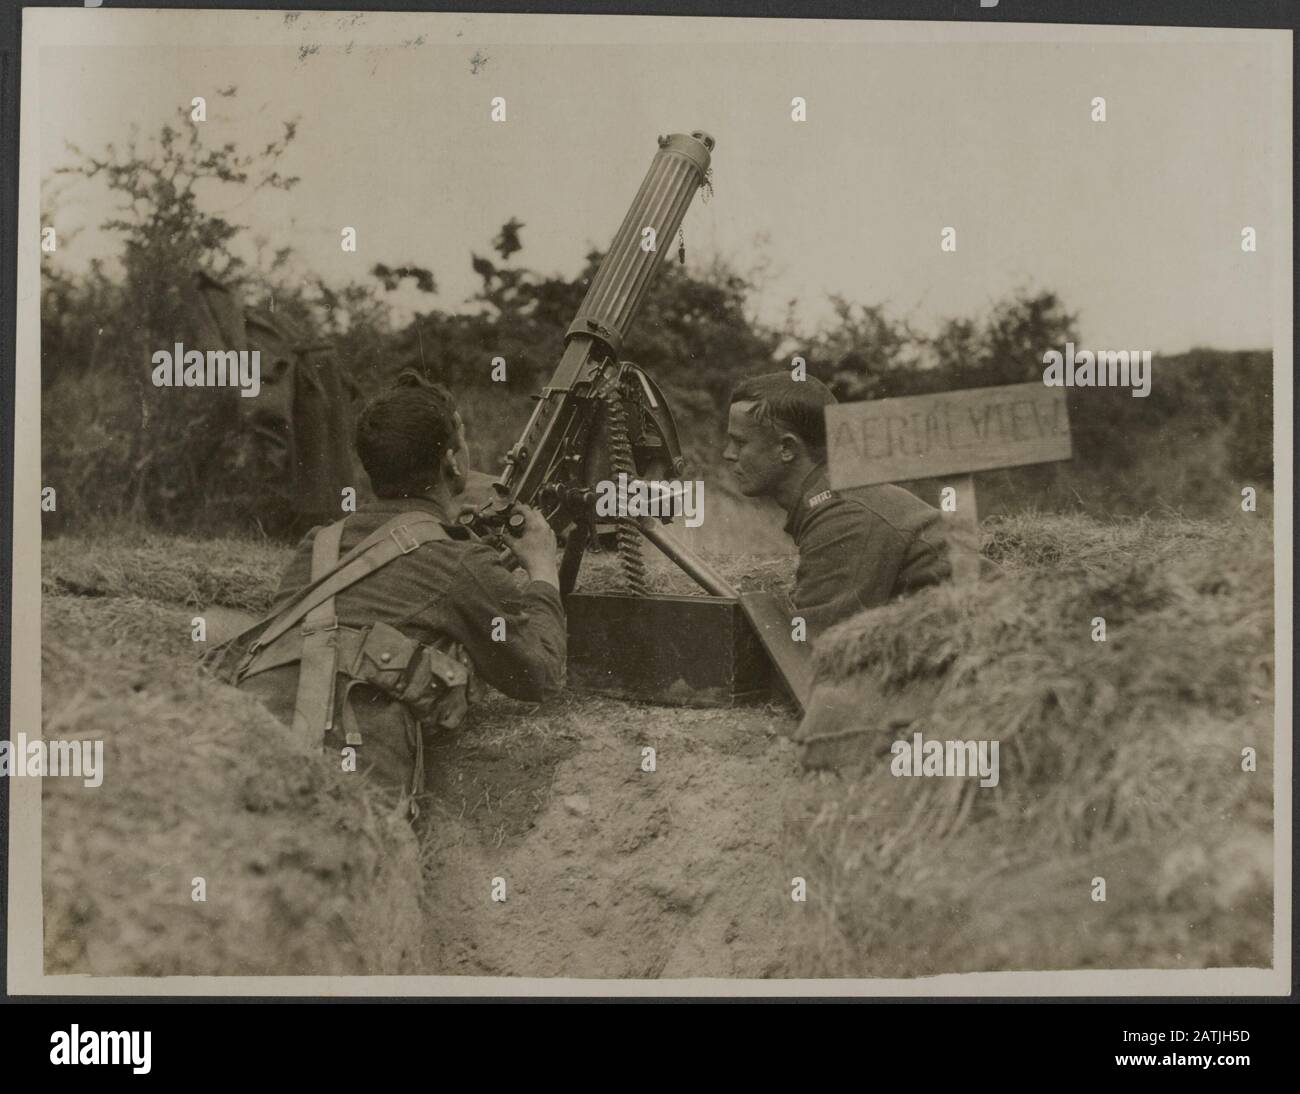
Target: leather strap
(287, 650)
(399, 536)
(272, 626)
(313, 709)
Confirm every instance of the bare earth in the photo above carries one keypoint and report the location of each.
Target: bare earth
(611, 870)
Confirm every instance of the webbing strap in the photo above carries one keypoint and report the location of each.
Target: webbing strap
(313, 709)
(399, 536)
(266, 630)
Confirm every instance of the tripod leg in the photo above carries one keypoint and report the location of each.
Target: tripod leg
(573, 551)
(693, 566)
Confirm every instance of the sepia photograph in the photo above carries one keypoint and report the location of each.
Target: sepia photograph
(608, 504)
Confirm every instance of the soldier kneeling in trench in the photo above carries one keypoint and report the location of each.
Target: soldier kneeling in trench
(858, 548)
(382, 617)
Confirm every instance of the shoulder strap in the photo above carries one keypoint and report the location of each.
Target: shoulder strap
(399, 536)
(402, 534)
(313, 708)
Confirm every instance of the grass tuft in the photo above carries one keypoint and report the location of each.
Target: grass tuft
(1119, 759)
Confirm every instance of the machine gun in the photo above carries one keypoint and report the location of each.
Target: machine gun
(600, 417)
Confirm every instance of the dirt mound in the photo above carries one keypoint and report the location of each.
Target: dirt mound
(303, 869)
(1122, 760)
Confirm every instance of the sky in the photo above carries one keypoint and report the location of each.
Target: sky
(1135, 221)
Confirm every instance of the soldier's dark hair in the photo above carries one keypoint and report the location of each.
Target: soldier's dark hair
(402, 434)
(790, 405)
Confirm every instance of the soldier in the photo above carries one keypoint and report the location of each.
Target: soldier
(373, 649)
(858, 548)
(295, 436)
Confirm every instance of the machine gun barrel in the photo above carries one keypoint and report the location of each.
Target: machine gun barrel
(619, 288)
(607, 312)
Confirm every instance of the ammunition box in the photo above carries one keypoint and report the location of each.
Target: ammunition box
(692, 651)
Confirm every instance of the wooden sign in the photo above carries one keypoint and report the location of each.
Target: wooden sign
(925, 436)
(951, 433)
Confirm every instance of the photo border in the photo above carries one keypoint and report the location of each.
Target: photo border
(112, 25)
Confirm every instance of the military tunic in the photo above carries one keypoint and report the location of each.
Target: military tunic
(455, 589)
(860, 548)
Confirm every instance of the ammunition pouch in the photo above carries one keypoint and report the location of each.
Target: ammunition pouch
(431, 683)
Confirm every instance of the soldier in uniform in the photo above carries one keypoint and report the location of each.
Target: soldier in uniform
(857, 548)
(416, 603)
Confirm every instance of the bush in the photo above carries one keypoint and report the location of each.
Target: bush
(113, 445)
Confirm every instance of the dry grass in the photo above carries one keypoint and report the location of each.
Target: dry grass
(603, 572)
(1119, 759)
(1072, 543)
(243, 574)
(306, 870)
(176, 570)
